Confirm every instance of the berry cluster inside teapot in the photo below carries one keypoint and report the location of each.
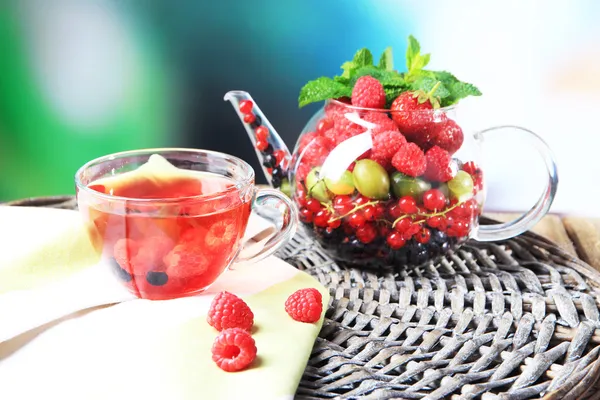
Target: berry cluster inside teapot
(383, 173)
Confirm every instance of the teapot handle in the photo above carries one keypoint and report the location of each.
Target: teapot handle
(488, 233)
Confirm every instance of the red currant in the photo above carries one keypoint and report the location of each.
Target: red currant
(360, 200)
(313, 205)
(434, 221)
(279, 156)
(249, 118)
(384, 230)
(434, 199)
(446, 223)
(369, 213)
(459, 228)
(342, 204)
(356, 220)
(262, 133)
(366, 233)
(407, 205)
(334, 224)
(246, 106)
(395, 240)
(465, 210)
(402, 225)
(351, 167)
(379, 211)
(301, 196)
(262, 145)
(394, 211)
(306, 215)
(322, 218)
(324, 125)
(423, 236)
(348, 230)
(411, 230)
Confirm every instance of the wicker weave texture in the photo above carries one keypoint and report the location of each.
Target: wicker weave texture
(512, 320)
(515, 320)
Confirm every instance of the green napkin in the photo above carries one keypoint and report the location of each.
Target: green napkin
(142, 349)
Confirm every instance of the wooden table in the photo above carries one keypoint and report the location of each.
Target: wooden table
(578, 236)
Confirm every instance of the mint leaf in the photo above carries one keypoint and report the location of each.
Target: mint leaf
(458, 90)
(415, 61)
(362, 58)
(426, 84)
(386, 78)
(342, 80)
(386, 61)
(349, 67)
(391, 93)
(320, 89)
(412, 51)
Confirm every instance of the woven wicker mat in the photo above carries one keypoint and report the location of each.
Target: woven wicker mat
(512, 320)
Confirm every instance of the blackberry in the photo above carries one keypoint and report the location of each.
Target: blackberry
(275, 181)
(257, 122)
(268, 150)
(270, 161)
(157, 278)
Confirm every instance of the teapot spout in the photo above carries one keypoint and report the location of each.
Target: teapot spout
(273, 154)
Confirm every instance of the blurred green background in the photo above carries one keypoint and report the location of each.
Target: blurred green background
(83, 78)
(80, 79)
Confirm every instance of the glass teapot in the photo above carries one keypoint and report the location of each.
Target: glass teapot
(376, 187)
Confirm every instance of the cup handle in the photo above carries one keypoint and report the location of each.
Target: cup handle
(268, 202)
(488, 233)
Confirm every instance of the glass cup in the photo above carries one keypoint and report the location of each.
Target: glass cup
(177, 245)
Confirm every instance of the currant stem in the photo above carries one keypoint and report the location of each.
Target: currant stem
(435, 214)
(355, 209)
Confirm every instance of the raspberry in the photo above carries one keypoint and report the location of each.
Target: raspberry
(412, 116)
(317, 151)
(193, 235)
(220, 235)
(306, 139)
(448, 135)
(229, 311)
(383, 122)
(385, 146)
(337, 136)
(368, 92)
(438, 165)
(124, 251)
(302, 172)
(186, 260)
(151, 252)
(305, 305)
(233, 350)
(337, 113)
(409, 160)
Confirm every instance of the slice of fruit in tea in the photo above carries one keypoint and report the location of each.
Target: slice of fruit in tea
(157, 178)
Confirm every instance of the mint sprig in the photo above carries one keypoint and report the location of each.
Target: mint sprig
(441, 88)
(321, 89)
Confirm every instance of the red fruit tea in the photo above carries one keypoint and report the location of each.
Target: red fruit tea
(176, 235)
